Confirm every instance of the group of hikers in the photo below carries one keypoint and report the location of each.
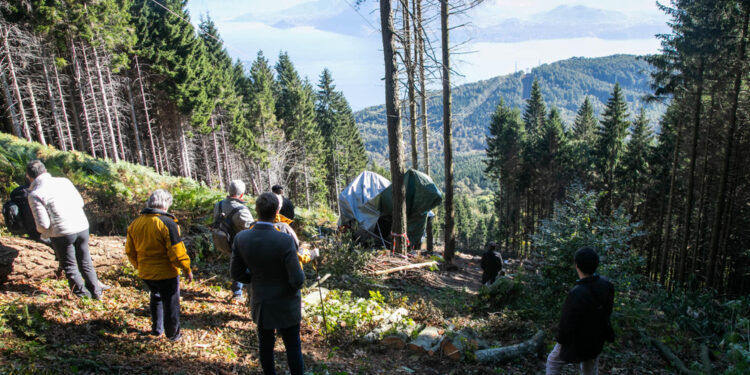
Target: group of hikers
(266, 254)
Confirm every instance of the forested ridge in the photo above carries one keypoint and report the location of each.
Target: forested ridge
(564, 84)
(135, 81)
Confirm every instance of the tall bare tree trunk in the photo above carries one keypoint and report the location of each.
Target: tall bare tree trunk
(11, 106)
(450, 233)
(96, 105)
(115, 114)
(134, 120)
(62, 107)
(105, 103)
(226, 156)
(148, 118)
(217, 159)
(666, 244)
(15, 85)
(682, 270)
(410, 72)
(35, 113)
(184, 154)
(164, 151)
(395, 134)
(723, 182)
(53, 107)
(419, 39)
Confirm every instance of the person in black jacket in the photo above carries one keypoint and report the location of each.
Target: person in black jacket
(267, 259)
(492, 264)
(584, 325)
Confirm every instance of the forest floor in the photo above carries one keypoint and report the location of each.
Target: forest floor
(46, 330)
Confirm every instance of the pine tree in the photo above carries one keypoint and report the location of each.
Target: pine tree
(535, 113)
(583, 139)
(610, 146)
(634, 167)
(263, 119)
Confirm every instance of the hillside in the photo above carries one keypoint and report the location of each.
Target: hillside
(564, 85)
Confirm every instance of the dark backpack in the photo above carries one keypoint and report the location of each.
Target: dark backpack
(17, 213)
(223, 229)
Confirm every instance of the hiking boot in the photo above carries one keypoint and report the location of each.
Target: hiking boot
(104, 286)
(176, 338)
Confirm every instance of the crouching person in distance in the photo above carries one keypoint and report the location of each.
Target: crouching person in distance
(267, 259)
(155, 249)
(584, 325)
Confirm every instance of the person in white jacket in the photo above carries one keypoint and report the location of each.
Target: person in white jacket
(57, 208)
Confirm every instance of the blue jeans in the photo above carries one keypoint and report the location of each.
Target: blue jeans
(165, 306)
(292, 343)
(237, 288)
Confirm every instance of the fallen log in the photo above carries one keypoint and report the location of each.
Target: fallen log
(506, 353)
(670, 357)
(427, 341)
(24, 259)
(407, 267)
(394, 341)
(319, 282)
(455, 345)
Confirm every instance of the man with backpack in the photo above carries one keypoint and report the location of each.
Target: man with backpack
(231, 216)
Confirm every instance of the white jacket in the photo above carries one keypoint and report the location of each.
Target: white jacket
(57, 206)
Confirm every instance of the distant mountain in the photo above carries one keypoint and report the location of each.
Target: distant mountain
(564, 85)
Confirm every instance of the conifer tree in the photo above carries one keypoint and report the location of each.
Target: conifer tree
(535, 113)
(611, 141)
(583, 138)
(263, 119)
(634, 167)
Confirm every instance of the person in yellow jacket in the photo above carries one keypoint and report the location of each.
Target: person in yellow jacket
(155, 249)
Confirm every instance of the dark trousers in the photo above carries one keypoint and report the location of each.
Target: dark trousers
(292, 343)
(165, 306)
(72, 253)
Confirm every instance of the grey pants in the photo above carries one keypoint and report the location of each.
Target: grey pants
(555, 364)
(73, 254)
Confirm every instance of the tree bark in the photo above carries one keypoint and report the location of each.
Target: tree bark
(450, 233)
(35, 113)
(723, 182)
(16, 89)
(395, 134)
(229, 176)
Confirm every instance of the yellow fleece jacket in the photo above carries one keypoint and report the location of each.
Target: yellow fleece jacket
(154, 246)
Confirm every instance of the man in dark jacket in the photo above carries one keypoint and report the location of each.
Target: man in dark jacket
(267, 259)
(584, 325)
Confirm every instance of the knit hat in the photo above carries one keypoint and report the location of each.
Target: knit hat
(587, 260)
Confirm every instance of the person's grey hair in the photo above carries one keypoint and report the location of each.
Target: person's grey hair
(160, 198)
(35, 168)
(236, 188)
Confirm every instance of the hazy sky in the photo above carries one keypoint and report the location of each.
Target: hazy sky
(502, 35)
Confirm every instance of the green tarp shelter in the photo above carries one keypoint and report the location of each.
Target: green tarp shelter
(422, 195)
